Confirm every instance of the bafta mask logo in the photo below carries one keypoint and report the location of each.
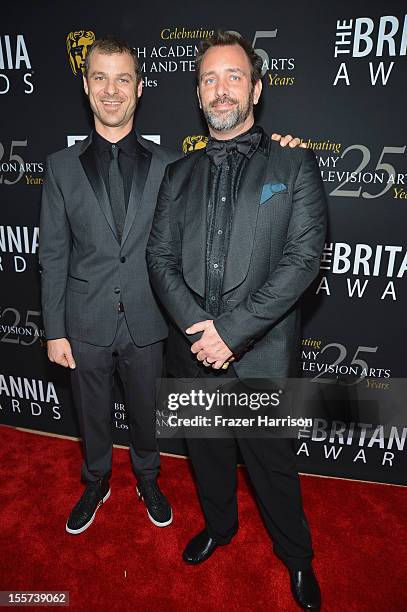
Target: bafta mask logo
(194, 143)
(77, 45)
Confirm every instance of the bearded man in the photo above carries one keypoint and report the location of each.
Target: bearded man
(237, 237)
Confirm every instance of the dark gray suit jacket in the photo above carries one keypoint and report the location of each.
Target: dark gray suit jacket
(83, 265)
(274, 254)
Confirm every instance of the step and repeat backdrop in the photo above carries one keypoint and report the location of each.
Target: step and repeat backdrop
(334, 74)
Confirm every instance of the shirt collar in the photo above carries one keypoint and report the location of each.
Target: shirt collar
(127, 144)
(245, 143)
(254, 130)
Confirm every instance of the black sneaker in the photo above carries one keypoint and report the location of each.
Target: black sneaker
(82, 515)
(158, 507)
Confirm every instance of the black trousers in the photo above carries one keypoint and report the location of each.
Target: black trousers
(92, 386)
(272, 468)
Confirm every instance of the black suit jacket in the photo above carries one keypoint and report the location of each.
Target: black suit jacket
(274, 254)
(85, 270)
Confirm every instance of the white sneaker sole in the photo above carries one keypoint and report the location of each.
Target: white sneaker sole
(160, 524)
(156, 523)
(82, 529)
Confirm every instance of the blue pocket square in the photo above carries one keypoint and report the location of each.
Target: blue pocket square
(271, 189)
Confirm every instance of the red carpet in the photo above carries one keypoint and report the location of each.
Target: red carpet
(359, 532)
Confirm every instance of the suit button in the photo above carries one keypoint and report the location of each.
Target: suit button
(122, 259)
(116, 289)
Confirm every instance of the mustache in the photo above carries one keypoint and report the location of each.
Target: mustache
(222, 101)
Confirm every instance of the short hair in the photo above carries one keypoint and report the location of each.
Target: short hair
(223, 39)
(109, 45)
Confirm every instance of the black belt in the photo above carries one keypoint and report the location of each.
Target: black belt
(120, 307)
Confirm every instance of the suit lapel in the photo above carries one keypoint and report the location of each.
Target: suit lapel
(194, 238)
(142, 166)
(245, 218)
(92, 171)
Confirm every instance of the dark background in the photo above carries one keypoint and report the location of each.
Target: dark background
(370, 116)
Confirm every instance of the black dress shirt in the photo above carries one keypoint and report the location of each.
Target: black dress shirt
(127, 159)
(225, 180)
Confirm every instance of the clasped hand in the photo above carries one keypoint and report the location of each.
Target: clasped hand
(210, 348)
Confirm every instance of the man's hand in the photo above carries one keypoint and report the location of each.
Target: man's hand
(210, 349)
(60, 352)
(289, 140)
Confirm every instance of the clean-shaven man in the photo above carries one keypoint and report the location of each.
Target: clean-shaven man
(237, 237)
(99, 311)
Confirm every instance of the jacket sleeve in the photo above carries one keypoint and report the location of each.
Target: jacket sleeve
(164, 264)
(298, 266)
(54, 254)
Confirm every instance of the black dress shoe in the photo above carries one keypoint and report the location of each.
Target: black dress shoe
(83, 514)
(200, 548)
(305, 589)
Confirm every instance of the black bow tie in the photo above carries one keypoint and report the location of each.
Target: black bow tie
(219, 149)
